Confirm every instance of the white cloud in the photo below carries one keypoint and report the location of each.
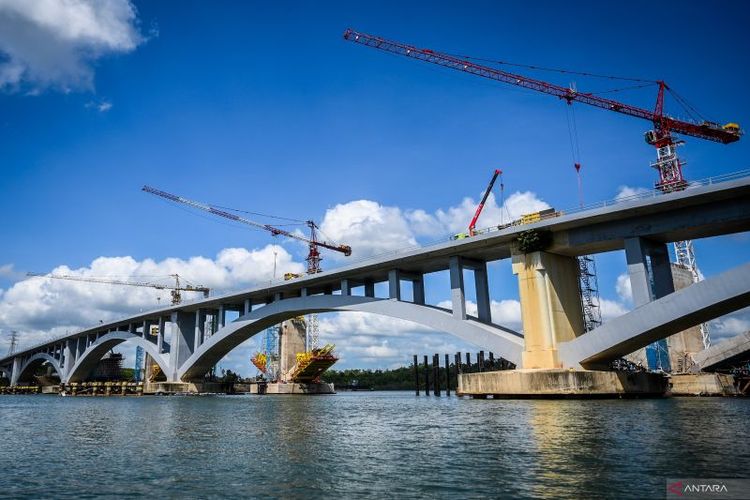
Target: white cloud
(624, 291)
(100, 106)
(54, 43)
(371, 228)
(456, 219)
(730, 325)
(611, 309)
(39, 307)
(368, 227)
(627, 192)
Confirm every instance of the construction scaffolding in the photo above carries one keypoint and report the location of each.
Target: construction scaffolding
(589, 288)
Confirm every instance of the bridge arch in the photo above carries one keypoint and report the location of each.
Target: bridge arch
(33, 362)
(501, 340)
(93, 353)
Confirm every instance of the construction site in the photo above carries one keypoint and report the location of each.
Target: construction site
(292, 360)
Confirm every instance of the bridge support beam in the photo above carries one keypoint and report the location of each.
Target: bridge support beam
(181, 342)
(550, 305)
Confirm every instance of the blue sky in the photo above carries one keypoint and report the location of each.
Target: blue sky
(264, 107)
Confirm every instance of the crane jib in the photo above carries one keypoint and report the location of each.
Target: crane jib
(706, 130)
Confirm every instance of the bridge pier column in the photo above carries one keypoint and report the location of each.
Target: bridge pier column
(69, 359)
(483, 292)
(369, 288)
(638, 252)
(200, 327)
(181, 342)
(647, 283)
(418, 289)
(550, 305)
(394, 284)
(346, 287)
(15, 371)
(458, 298)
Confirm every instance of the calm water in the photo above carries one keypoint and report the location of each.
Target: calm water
(364, 445)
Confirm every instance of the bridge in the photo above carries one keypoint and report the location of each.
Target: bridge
(190, 338)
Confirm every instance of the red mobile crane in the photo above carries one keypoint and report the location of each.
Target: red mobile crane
(667, 163)
(480, 207)
(313, 257)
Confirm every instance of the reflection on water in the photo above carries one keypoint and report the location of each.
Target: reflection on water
(365, 445)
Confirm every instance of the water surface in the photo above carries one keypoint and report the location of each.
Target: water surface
(355, 445)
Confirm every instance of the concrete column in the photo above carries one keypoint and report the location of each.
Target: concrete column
(278, 296)
(80, 346)
(661, 269)
(394, 284)
(346, 287)
(16, 371)
(648, 284)
(69, 357)
(248, 307)
(457, 287)
(181, 342)
(635, 255)
(303, 292)
(550, 305)
(483, 293)
(417, 285)
(292, 340)
(222, 316)
(160, 336)
(369, 288)
(200, 328)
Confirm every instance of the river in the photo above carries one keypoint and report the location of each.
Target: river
(357, 445)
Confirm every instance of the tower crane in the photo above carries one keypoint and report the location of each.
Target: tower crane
(174, 290)
(668, 165)
(313, 257)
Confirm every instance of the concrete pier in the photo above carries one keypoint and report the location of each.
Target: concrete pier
(556, 383)
(293, 388)
(702, 384)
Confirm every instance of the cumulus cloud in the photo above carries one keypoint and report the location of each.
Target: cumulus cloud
(41, 307)
(611, 309)
(622, 286)
(456, 219)
(369, 227)
(54, 43)
(730, 325)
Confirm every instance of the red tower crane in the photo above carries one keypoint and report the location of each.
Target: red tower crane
(313, 257)
(667, 163)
